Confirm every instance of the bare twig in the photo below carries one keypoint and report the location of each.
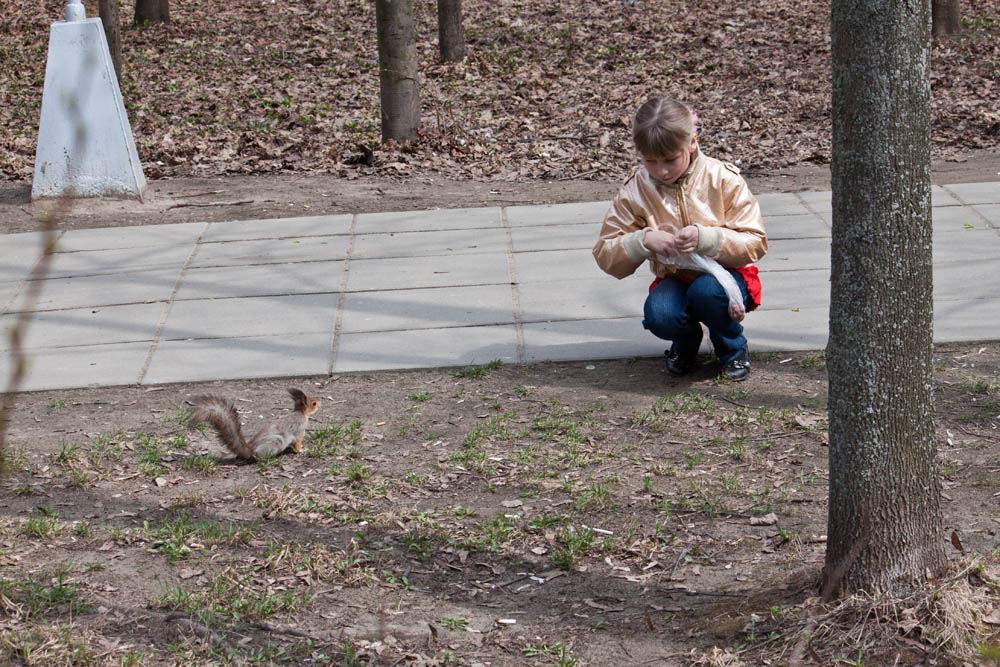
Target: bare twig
(201, 194)
(217, 203)
(35, 282)
(292, 632)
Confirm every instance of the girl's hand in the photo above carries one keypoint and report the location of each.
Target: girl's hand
(660, 242)
(737, 312)
(686, 240)
(666, 244)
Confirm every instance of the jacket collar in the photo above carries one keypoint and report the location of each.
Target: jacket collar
(695, 168)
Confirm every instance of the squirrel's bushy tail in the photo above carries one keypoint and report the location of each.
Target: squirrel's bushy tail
(222, 415)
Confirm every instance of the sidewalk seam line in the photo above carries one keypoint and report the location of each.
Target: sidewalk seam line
(338, 319)
(162, 322)
(27, 277)
(970, 207)
(814, 212)
(515, 297)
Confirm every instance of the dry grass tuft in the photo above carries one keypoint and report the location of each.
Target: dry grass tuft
(944, 621)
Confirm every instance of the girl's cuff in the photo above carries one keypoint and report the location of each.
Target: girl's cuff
(632, 243)
(709, 241)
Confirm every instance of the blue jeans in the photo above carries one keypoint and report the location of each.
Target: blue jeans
(675, 311)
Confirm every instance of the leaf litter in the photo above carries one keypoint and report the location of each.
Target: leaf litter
(546, 91)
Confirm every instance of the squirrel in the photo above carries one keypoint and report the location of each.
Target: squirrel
(271, 440)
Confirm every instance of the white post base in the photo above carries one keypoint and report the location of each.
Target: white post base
(85, 145)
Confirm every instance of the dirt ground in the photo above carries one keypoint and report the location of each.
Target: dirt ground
(585, 513)
(293, 195)
(547, 514)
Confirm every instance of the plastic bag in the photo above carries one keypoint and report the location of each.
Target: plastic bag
(694, 261)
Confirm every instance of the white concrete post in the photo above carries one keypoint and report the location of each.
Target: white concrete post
(85, 146)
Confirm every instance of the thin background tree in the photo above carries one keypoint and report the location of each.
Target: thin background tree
(108, 10)
(399, 89)
(151, 11)
(884, 512)
(946, 18)
(451, 34)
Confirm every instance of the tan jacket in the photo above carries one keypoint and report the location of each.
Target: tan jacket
(711, 195)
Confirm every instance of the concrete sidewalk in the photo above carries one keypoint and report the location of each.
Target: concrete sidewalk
(450, 287)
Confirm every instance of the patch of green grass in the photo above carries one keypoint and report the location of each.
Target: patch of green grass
(151, 452)
(57, 404)
(231, 596)
(814, 361)
(463, 512)
(493, 427)
(178, 417)
(266, 463)
(12, 461)
(419, 543)
(706, 501)
(497, 532)
(179, 536)
(598, 495)
(78, 478)
(43, 596)
(560, 425)
(477, 372)
(737, 450)
(328, 440)
(358, 473)
(474, 458)
(68, 454)
(546, 520)
(665, 408)
(693, 459)
(107, 447)
(455, 623)
(419, 397)
(200, 462)
(572, 545)
(558, 653)
(44, 527)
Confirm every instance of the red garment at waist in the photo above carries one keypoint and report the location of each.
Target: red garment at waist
(750, 276)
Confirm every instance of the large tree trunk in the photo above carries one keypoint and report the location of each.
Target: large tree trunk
(946, 18)
(108, 11)
(884, 511)
(451, 35)
(397, 68)
(152, 11)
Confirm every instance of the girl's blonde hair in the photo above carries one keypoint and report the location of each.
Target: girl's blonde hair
(663, 127)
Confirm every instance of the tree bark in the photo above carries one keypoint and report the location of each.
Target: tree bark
(884, 510)
(397, 65)
(946, 18)
(451, 34)
(108, 11)
(152, 11)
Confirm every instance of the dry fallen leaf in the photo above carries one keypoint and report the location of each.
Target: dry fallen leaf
(767, 520)
(957, 543)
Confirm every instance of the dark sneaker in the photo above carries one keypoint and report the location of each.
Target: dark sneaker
(737, 369)
(678, 365)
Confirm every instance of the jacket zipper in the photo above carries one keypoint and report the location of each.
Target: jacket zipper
(683, 206)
